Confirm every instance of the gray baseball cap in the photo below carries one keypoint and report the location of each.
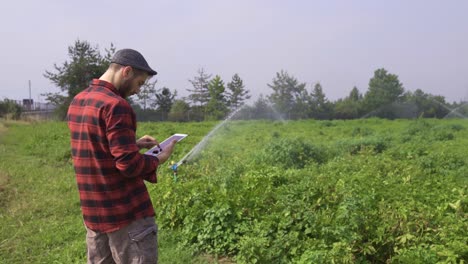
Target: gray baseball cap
(133, 58)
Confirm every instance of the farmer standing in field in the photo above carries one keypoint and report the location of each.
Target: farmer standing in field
(110, 171)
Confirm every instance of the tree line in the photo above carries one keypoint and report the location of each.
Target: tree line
(210, 98)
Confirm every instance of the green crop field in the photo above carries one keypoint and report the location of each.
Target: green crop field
(361, 191)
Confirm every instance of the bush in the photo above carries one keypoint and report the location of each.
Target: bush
(418, 127)
(10, 109)
(375, 144)
(292, 153)
(423, 129)
(363, 132)
(457, 127)
(442, 133)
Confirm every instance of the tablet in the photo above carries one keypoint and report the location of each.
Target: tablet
(156, 150)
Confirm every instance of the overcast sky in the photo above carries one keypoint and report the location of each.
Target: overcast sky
(337, 43)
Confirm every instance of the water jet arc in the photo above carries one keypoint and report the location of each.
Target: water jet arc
(205, 139)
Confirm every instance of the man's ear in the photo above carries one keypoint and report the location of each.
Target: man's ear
(127, 72)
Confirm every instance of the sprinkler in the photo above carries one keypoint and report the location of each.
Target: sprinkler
(174, 170)
(182, 161)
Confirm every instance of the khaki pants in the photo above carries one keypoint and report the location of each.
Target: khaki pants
(136, 243)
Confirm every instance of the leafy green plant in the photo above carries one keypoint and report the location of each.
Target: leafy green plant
(353, 198)
(354, 146)
(292, 153)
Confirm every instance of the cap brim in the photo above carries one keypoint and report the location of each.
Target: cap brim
(148, 70)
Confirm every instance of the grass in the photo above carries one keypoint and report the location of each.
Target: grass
(40, 217)
(369, 191)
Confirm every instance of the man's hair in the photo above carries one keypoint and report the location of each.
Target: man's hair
(115, 67)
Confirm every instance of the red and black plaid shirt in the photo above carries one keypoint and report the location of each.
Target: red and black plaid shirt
(110, 171)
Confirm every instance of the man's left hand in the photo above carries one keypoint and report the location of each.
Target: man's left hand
(146, 142)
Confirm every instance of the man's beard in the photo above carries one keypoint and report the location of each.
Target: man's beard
(125, 88)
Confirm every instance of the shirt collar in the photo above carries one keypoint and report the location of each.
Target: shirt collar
(105, 84)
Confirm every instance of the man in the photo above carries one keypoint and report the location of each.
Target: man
(110, 171)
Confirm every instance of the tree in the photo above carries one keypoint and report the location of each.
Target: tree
(86, 63)
(164, 101)
(200, 93)
(428, 105)
(261, 109)
(179, 110)
(349, 107)
(146, 94)
(301, 107)
(286, 92)
(355, 95)
(236, 94)
(217, 105)
(459, 110)
(321, 107)
(439, 107)
(384, 89)
(9, 109)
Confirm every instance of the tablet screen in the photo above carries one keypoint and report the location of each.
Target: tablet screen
(154, 151)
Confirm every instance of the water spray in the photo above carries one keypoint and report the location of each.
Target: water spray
(455, 111)
(202, 143)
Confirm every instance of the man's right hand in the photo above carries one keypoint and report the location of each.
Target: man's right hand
(166, 152)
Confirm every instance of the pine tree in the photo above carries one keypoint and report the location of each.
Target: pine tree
(349, 107)
(164, 101)
(355, 95)
(286, 91)
(146, 95)
(200, 94)
(217, 105)
(261, 108)
(236, 94)
(321, 107)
